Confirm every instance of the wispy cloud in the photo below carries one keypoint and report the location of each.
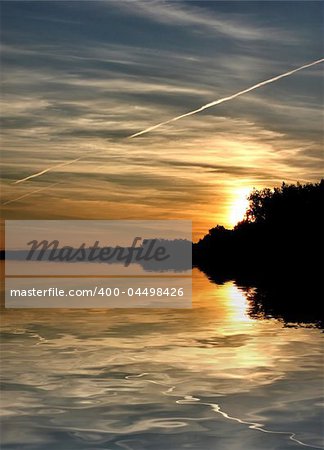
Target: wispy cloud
(76, 83)
(183, 14)
(174, 119)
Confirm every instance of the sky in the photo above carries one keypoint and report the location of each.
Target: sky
(78, 78)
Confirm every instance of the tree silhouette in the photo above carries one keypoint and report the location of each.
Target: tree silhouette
(278, 246)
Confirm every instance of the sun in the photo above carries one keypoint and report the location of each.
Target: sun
(238, 205)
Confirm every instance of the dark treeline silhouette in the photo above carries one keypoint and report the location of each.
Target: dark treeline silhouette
(277, 247)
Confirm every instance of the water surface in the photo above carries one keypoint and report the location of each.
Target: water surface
(207, 378)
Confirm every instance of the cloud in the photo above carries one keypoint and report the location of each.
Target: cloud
(181, 14)
(77, 89)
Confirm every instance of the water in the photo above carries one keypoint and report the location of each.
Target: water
(204, 379)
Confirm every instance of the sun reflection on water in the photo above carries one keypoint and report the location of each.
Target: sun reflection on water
(238, 303)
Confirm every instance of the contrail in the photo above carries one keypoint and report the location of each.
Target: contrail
(226, 99)
(190, 113)
(28, 194)
(48, 170)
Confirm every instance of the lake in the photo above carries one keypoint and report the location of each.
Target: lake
(211, 377)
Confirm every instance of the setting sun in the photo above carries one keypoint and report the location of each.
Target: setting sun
(238, 205)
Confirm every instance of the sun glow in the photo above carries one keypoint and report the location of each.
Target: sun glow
(238, 205)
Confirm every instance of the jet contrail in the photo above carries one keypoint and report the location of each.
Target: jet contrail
(190, 113)
(226, 99)
(28, 194)
(48, 170)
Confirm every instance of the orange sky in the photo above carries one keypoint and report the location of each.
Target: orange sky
(71, 92)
